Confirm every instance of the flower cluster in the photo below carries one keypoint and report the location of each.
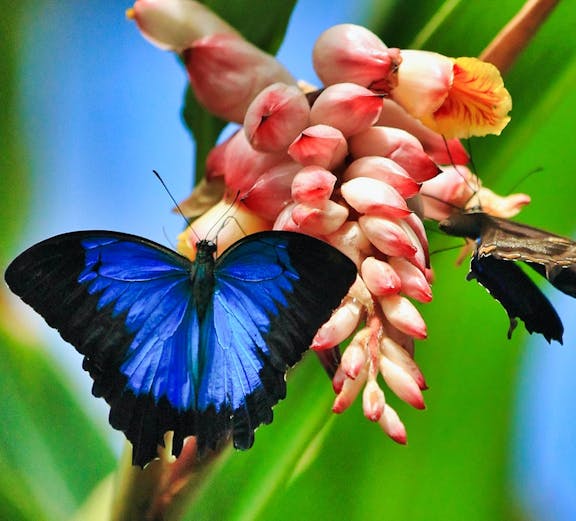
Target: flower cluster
(343, 163)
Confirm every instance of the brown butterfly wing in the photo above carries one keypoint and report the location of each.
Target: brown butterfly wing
(552, 256)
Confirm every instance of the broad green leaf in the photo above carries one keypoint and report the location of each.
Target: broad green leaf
(12, 158)
(45, 436)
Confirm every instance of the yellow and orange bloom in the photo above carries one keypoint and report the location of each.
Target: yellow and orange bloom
(454, 97)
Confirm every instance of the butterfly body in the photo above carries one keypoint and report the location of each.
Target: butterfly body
(196, 347)
(501, 242)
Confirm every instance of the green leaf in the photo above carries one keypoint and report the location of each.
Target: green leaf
(13, 164)
(54, 454)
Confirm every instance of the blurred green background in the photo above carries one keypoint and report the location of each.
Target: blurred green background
(89, 109)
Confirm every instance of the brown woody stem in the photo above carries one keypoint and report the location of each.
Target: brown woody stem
(516, 35)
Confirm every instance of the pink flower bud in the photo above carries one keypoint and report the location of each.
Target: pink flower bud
(398, 355)
(354, 357)
(402, 314)
(313, 183)
(420, 258)
(351, 53)
(397, 145)
(401, 383)
(373, 401)
(276, 117)
(319, 145)
(216, 160)
(319, 220)
(350, 390)
(272, 191)
(413, 281)
(243, 165)
(373, 197)
(424, 81)
(351, 240)
(392, 425)
(284, 220)
(347, 107)
(379, 277)
(421, 241)
(339, 327)
(443, 152)
(388, 236)
(227, 72)
(383, 169)
(175, 24)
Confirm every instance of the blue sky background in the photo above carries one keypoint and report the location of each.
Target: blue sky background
(102, 110)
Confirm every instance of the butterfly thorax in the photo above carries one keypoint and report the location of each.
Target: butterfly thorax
(202, 275)
(469, 225)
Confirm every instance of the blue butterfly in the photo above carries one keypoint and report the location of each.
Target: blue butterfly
(199, 348)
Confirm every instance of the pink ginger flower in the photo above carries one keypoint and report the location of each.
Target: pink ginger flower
(341, 164)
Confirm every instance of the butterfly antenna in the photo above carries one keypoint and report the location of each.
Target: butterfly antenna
(224, 218)
(177, 206)
(523, 178)
(439, 199)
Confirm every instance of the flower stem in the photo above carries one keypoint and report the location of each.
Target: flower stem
(516, 35)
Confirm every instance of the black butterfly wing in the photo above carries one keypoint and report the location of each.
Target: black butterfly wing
(519, 296)
(125, 304)
(273, 290)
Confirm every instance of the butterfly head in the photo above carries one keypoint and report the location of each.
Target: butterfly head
(205, 250)
(464, 224)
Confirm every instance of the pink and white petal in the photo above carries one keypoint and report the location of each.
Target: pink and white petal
(401, 383)
(373, 401)
(388, 236)
(346, 106)
(442, 152)
(340, 326)
(398, 355)
(319, 145)
(351, 53)
(383, 169)
(350, 390)
(243, 165)
(392, 425)
(175, 24)
(374, 197)
(424, 81)
(354, 357)
(272, 191)
(402, 314)
(276, 117)
(227, 73)
(351, 240)
(397, 145)
(313, 183)
(319, 220)
(380, 277)
(413, 281)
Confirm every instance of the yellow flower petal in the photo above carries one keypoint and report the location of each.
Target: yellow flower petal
(478, 103)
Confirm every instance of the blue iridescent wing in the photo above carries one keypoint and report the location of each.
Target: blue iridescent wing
(127, 305)
(272, 292)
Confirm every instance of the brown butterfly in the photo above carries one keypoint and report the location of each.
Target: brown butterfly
(499, 241)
